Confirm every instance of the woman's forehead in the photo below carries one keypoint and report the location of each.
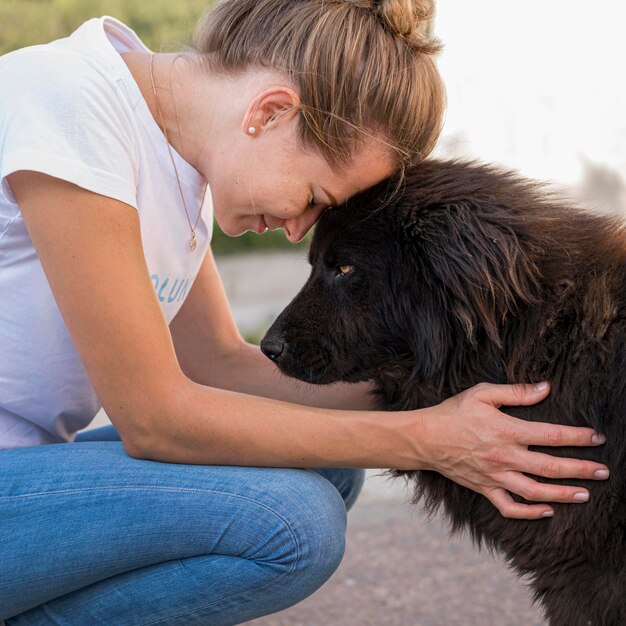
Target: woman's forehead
(369, 167)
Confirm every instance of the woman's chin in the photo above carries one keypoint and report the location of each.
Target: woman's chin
(256, 225)
(233, 232)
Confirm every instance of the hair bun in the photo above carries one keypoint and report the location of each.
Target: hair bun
(409, 20)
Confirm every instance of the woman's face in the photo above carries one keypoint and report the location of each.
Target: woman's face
(270, 181)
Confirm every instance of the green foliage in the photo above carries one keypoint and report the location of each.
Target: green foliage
(250, 242)
(163, 25)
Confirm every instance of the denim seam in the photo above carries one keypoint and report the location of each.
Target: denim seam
(137, 488)
(265, 506)
(272, 582)
(214, 602)
(179, 489)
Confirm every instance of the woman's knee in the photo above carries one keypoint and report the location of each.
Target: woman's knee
(315, 514)
(348, 481)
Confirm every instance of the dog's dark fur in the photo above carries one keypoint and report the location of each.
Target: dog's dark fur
(472, 274)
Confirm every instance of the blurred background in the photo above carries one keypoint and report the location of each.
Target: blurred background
(533, 86)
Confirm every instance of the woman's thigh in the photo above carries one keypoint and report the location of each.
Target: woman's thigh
(348, 481)
(74, 516)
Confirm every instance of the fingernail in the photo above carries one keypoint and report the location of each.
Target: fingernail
(581, 496)
(601, 474)
(547, 514)
(540, 386)
(598, 439)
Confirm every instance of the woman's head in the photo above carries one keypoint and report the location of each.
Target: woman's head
(361, 68)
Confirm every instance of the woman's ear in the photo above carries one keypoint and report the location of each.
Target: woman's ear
(273, 106)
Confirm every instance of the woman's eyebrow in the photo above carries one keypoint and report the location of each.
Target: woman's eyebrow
(333, 200)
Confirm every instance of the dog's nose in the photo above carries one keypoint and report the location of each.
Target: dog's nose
(272, 348)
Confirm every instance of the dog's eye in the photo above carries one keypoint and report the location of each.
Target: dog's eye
(344, 270)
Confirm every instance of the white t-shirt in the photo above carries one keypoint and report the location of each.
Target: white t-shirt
(71, 109)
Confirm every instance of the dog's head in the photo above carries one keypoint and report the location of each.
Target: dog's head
(400, 280)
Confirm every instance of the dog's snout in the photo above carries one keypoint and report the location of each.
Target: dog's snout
(272, 347)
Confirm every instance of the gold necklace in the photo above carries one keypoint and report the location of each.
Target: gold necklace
(192, 242)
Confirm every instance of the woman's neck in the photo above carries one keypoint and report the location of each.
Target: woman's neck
(179, 88)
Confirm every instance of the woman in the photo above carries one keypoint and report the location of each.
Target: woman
(221, 493)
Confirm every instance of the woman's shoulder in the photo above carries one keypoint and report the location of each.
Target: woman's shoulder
(62, 114)
(66, 87)
(79, 65)
(34, 72)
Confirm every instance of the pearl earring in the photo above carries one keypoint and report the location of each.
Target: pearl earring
(252, 130)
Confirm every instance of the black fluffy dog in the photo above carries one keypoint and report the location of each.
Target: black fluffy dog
(472, 274)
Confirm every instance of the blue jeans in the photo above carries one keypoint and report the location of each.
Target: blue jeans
(89, 535)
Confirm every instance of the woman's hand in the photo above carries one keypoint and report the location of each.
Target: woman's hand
(477, 446)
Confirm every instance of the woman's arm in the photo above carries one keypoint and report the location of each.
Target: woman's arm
(90, 249)
(211, 352)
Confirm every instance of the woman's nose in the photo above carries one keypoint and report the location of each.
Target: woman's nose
(297, 227)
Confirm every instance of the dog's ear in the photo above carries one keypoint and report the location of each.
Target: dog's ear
(474, 254)
(416, 315)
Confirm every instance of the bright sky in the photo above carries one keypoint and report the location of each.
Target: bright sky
(535, 84)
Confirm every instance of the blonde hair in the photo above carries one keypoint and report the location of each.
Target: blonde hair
(361, 68)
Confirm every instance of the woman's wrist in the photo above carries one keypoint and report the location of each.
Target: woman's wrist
(398, 438)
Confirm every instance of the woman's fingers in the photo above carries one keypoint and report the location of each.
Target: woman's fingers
(542, 434)
(510, 395)
(548, 466)
(534, 491)
(503, 501)
(534, 433)
(486, 450)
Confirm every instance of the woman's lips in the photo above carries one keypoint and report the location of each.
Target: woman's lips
(262, 226)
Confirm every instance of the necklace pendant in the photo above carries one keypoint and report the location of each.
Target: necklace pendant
(192, 243)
